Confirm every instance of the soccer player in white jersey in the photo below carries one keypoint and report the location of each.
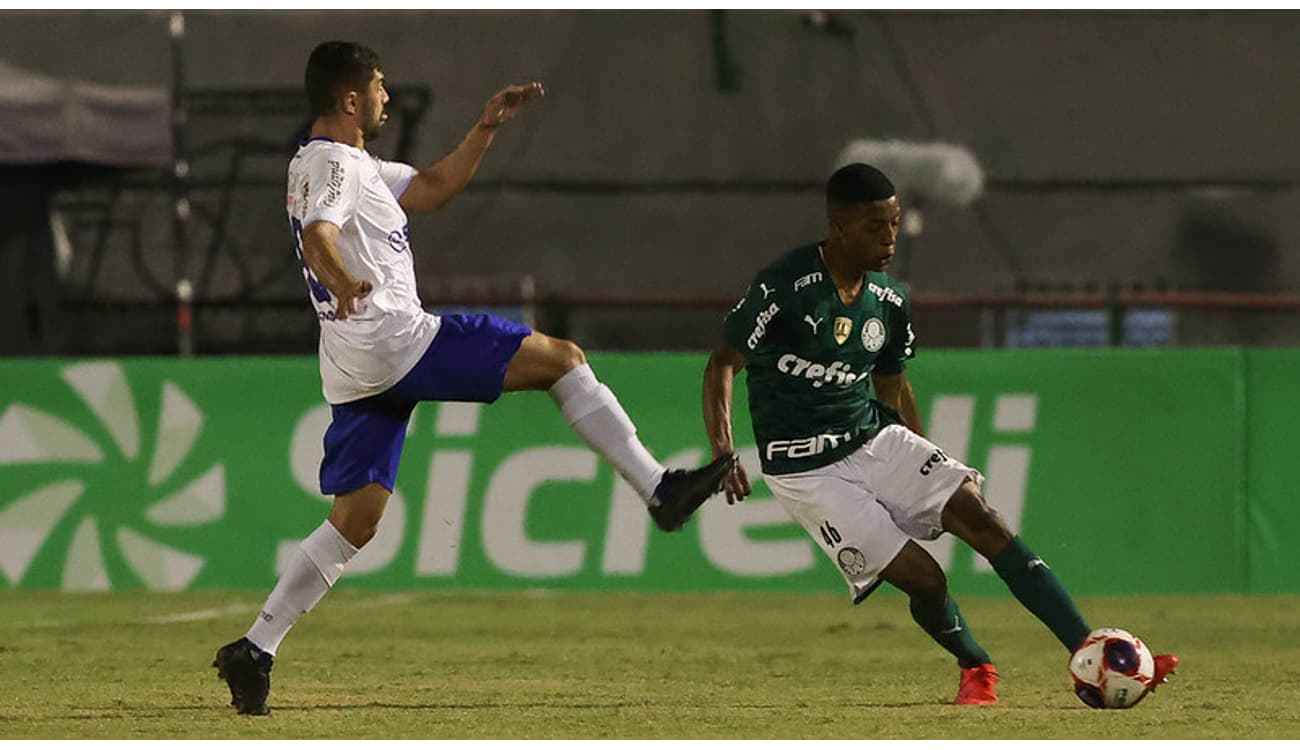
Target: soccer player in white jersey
(381, 353)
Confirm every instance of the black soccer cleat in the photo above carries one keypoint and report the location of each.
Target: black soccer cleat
(681, 491)
(247, 670)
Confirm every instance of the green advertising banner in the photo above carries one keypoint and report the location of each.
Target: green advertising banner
(1273, 503)
(1124, 469)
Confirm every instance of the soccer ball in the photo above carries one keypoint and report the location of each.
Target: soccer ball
(1112, 669)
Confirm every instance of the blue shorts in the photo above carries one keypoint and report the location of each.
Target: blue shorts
(466, 361)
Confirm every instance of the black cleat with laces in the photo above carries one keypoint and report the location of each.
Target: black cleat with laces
(247, 670)
(681, 491)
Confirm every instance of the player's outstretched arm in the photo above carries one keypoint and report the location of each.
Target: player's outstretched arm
(436, 184)
(322, 257)
(719, 377)
(896, 392)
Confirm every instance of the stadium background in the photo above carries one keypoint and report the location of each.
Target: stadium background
(1106, 330)
(1157, 160)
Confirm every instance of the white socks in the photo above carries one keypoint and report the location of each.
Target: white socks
(590, 408)
(315, 566)
(593, 411)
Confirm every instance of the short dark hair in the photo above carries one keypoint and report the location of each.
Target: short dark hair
(857, 183)
(335, 67)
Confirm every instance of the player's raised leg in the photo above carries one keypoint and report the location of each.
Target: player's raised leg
(1033, 583)
(972, 519)
(594, 412)
(916, 573)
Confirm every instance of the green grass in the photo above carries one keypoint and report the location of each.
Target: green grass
(527, 665)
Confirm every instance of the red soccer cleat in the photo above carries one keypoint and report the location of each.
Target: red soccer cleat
(1166, 664)
(979, 686)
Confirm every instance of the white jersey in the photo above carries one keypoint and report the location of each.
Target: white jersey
(379, 343)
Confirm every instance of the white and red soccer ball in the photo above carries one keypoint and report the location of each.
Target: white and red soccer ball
(1112, 669)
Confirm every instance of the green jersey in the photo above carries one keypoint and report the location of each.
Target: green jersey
(809, 355)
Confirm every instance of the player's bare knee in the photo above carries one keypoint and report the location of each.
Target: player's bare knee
(570, 354)
(359, 531)
(966, 512)
(931, 587)
(989, 523)
(914, 572)
(356, 520)
(364, 535)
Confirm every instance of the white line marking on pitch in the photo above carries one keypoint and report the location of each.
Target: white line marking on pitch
(44, 623)
(199, 615)
(387, 599)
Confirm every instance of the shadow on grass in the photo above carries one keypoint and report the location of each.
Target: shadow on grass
(155, 711)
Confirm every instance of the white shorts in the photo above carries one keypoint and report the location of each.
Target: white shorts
(862, 509)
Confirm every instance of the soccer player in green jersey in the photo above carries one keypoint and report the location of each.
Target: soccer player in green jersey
(819, 329)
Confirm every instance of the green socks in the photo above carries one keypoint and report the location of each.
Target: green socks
(1034, 585)
(1038, 589)
(947, 627)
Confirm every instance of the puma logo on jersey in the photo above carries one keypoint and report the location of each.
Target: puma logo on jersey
(814, 323)
(766, 291)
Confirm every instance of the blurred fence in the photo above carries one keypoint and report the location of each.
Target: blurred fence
(656, 322)
(1118, 318)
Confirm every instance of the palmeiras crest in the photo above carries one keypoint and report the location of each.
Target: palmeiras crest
(873, 335)
(852, 561)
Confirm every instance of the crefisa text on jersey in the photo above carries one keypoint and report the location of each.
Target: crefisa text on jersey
(885, 294)
(760, 324)
(838, 372)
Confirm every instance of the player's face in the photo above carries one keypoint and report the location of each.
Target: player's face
(372, 111)
(869, 231)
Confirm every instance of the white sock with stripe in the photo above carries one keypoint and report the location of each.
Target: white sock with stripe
(593, 411)
(314, 567)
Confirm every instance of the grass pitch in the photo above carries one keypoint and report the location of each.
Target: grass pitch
(465, 665)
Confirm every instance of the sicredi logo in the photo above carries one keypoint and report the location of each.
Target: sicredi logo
(176, 494)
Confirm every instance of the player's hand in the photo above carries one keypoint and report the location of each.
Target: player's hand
(737, 484)
(507, 102)
(350, 299)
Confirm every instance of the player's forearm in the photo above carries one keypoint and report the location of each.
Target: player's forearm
(452, 173)
(326, 264)
(718, 382)
(908, 410)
